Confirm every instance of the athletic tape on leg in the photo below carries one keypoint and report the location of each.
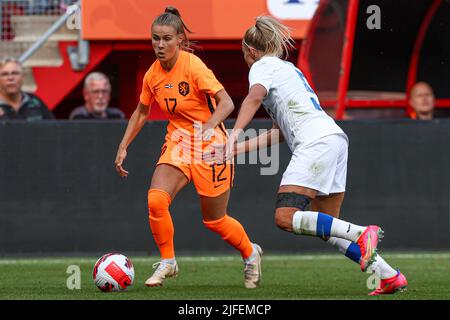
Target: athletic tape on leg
(292, 199)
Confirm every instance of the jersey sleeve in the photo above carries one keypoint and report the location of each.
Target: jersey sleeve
(262, 72)
(146, 97)
(205, 79)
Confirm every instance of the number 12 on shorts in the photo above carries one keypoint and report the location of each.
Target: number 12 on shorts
(217, 172)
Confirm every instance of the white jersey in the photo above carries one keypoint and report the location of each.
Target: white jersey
(291, 102)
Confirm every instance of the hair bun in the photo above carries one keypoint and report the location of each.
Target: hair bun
(173, 10)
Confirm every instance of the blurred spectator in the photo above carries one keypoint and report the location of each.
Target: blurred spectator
(421, 99)
(97, 93)
(16, 104)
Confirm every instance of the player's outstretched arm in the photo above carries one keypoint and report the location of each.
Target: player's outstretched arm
(135, 125)
(249, 106)
(264, 140)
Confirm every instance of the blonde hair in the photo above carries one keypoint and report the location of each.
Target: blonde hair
(172, 17)
(269, 36)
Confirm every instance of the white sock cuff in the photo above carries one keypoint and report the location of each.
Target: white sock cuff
(297, 222)
(305, 222)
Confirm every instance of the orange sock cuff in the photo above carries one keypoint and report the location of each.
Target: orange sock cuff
(159, 192)
(213, 223)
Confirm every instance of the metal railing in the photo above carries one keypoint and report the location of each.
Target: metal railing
(54, 28)
(65, 12)
(9, 8)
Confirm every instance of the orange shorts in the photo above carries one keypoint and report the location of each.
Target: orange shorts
(210, 180)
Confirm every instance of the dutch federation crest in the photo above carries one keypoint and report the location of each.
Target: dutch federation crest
(183, 88)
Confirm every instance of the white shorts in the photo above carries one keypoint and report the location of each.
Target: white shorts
(320, 165)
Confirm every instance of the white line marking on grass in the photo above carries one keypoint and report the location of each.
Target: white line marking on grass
(296, 257)
(301, 257)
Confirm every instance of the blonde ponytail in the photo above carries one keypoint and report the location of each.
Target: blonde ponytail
(269, 36)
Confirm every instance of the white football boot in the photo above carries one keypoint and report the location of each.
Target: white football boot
(252, 268)
(163, 270)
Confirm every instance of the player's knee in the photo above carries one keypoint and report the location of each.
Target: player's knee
(278, 219)
(158, 202)
(286, 205)
(283, 218)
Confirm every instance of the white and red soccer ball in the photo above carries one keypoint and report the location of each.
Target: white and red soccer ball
(113, 272)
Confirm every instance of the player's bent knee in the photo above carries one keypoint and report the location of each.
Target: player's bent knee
(158, 202)
(286, 205)
(283, 218)
(278, 219)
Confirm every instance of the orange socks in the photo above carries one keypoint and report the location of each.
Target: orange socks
(162, 227)
(161, 222)
(233, 233)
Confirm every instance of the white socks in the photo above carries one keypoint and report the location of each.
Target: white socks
(341, 244)
(351, 250)
(381, 268)
(341, 234)
(323, 225)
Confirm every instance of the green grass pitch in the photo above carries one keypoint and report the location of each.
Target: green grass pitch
(221, 278)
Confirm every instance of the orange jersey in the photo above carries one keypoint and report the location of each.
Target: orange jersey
(185, 93)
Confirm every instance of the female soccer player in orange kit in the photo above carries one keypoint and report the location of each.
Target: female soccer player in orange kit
(188, 92)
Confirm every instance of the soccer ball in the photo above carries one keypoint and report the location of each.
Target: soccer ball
(113, 272)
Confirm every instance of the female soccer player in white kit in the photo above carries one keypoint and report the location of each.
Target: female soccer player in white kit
(316, 174)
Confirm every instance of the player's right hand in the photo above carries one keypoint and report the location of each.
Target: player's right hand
(121, 155)
(214, 153)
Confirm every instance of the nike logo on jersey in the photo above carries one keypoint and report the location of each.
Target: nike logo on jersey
(218, 185)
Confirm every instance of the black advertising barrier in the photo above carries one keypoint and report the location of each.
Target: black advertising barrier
(60, 194)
